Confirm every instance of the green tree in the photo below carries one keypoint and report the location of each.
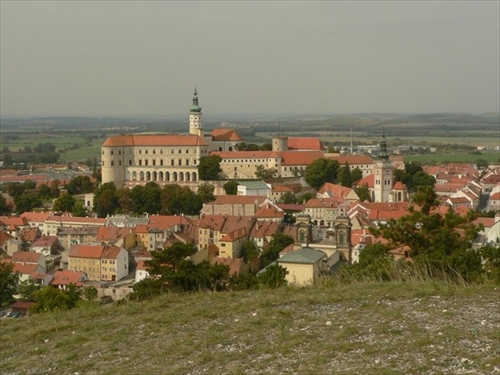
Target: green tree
(372, 253)
(363, 193)
(231, 187)
(264, 173)
(278, 242)
(15, 189)
(491, 258)
(288, 198)
(344, 175)
(209, 167)
(249, 250)
(27, 288)
(44, 192)
(273, 277)
(79, 210)
(27, 202)
(176, 200)
(90, 293)
(356, 174)
(266, 147)
(54, 188)
(44, 147)
(8, 282)
(206, 193)
(151, 198)
(482, 164)
(321, 171)
(442, 242)
(65, 203)
(421, 179)
(105, 199)
(124, 199)
(50, 299)
(80, 185)
(5, 209)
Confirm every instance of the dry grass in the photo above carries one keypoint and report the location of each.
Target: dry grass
(378, 328)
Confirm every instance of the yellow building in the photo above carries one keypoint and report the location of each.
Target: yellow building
(114, 264)
(87, 259)
(304, 266)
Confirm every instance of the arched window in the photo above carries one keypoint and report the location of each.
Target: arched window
(141, 176)
(160, 176)
(181, 176)
(175, 176)
(155, 176)
(167, 176)
(188, 176)
(148, 176)
(134, 176)
(193, 176)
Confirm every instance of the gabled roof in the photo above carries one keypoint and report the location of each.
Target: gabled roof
(305, 255)
(235, 235)
(281, 189)
(67, 277)
(368, 180)
(26, 257)
(36, 216)
(168, 221)
(111, 233)
(110, 252)
(86, 251)
(45, 241)
(269, 211)
(129, 140)
(300, 158)
(236, 265)
(222, 134)
(305, 143)
(25, 268)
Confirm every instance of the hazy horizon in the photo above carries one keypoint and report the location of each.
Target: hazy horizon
(250, 59)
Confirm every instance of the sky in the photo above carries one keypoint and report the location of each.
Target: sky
(144, 58)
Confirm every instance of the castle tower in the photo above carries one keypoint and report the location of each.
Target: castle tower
(383, 169)
(195, 125)
(280, 143)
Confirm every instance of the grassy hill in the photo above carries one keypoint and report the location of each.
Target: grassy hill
(390, 328)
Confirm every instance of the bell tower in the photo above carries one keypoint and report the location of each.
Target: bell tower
(383, 180)
(195, 124)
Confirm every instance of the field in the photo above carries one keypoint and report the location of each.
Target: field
(462, 157)
(379, 328)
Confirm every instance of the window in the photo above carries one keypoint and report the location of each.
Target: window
(140, 162)
(180, 151)
(146, 162)
(154, 162)
(161, 161)
(140, 151)
(154, 151)
(146, 151)
(187, 151)
(130, 162)
(112, 163)
(119, 162)
(111, 152)
(119, 152)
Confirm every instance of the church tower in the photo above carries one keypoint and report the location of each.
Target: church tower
(383, 179)
(195, 125)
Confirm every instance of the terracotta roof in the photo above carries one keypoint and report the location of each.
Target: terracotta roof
(8, 172)
(300, 158)
(86, 251)
(269, 211)
(111, 233)
(26, 257)
(334, 190)
(314, 203)
(221, 134)
(36, 216)
(110, 252)
(368, 180)
(302, 143)
(486, 221)
(14, 220)
(458, 200)
(495, 196)
(235, 235)
(167, 221)
(291, 207)
(153, 140)
(141, 228)
(399, 186)
(25, 268)
(263, 229)
(235, 265)
(67, 277)
(45, 241)
(141, 266)
(4, 237)
(281, 189)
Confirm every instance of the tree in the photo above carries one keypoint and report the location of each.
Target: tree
(79, 210)
(27, 202)
(231, 187)
(441, 242)
(50, 299)
(356, 174)
(8, 282)
(90, 293)
(176, 200)
(171, 269)
(264, 173)
(274, 276)
(54, 188)
(15, 189)
(80, 185)
(151, 198)
(288, 198)
(27, 288)
(372, 253)
(482, 164)
(206, 193)
(209, 167)
(421, 179)
(266, 147)
(249, 250)
(44, 147)
(44, 192)
(344, 175)
(65, 203)
(321, 171)
(278, 242)
(105, 199)
(124, 199)
(5, 209)
(363, 193)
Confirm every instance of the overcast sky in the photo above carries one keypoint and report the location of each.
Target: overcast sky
(139, 58)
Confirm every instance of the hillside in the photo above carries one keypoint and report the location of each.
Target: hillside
(389, 328)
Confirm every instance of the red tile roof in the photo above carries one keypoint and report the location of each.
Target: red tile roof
(110, 252)
(67, 277)
(352, 159)
(26, 257)
(221, 134)
(25, 268)
(300, 158)
(45, 241)
(269, 211)
(153, 140)
(86, 251)
(111, 233)
(302, 143)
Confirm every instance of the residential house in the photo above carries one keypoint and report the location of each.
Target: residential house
(69, 236)
(235, 205)
(37, 219)
(114, 263)
(47, 245)
(253, 187)
(63, 279)
(54, 223)
(230, 243)
(141, 271)
(118, 236)
(304, 266)
(87, 259)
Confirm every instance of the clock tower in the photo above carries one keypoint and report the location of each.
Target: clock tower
(195, 125)
(383, 179)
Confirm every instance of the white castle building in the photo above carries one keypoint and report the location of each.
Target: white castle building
(135, 159)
